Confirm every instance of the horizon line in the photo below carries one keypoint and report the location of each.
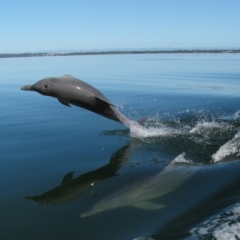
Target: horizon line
(112, 52)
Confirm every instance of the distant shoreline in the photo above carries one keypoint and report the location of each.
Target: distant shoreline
(14, 55)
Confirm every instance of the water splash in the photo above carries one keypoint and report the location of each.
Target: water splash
(174, 128)
(143, 238)
(237, 114)
(231, 149)
(221, 227)
(203, 137)
(203, 126)
(180, 123)
(140, 132)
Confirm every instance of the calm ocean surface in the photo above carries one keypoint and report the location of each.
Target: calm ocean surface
(67, 173)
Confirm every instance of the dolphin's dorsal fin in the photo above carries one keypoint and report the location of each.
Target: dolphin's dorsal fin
(64, 102)
(148, 205)
(103, 102)
(68, 177)
(68, 75)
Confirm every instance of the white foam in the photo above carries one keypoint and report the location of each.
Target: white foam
(237, 114)
(205, 126)
(231, 148)
(143, 238)
(222, 227)
(159, 129)
(137, 131)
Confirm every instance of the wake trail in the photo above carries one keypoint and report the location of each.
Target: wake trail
(194, 127)
(139, 131)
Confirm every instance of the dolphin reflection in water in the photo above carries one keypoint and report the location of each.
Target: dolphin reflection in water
(70, 188)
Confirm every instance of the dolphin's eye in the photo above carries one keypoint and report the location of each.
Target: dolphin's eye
(46, 86)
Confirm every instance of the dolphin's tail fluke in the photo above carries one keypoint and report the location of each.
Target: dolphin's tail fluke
(127, 122)
(142, 121)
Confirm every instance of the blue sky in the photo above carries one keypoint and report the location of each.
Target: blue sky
(42, 25)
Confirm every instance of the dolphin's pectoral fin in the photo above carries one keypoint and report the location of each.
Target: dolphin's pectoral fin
(64, 102)
(148, 205)
(68, 177)
(103, 103)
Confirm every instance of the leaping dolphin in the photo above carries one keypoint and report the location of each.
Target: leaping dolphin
(70, 90)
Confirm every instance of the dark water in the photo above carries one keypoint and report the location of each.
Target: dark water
(67, 173)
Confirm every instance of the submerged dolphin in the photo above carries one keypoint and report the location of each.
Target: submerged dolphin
(143, 194)
(157, 191)
(70, 90)
(168, 204)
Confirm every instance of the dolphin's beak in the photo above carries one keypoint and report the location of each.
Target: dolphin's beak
(27, 88)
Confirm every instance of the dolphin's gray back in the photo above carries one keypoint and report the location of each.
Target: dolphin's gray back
(83, 85)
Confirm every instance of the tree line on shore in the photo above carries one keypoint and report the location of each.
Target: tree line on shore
(13, 55)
